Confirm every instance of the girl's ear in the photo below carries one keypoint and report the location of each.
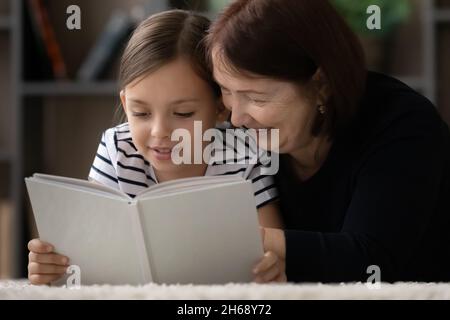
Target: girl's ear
(123, 100)
(223, 113)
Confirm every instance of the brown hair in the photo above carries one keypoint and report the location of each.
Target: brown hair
(290, 40)
(160, 39)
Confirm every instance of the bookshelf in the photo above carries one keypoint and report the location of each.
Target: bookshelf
(5, 22)
(48, 88)
(54, 126)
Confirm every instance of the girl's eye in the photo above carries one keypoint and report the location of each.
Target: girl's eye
(184, 115)
(140, 114)
(224, 91)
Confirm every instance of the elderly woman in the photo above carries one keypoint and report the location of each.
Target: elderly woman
(364, 177)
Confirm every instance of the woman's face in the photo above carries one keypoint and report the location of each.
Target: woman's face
(172, 97)
(263, 103)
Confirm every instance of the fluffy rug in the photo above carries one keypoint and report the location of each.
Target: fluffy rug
(20, 289)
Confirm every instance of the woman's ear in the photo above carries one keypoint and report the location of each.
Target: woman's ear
(222, 112)
(123, 100)
(321, 85)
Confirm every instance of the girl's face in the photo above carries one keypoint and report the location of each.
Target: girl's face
(172, 97)
(264, 103)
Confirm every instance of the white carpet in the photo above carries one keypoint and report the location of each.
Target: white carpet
(22, 290)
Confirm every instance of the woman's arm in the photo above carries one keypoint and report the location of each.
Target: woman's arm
(391, 213)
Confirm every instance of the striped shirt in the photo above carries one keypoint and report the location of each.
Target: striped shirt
(119, 165)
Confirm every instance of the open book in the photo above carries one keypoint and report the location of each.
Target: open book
(201, 230)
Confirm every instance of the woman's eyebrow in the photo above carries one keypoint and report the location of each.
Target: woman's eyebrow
(247, 91)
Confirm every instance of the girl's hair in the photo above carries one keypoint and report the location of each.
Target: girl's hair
(159, 40)
(289, 40)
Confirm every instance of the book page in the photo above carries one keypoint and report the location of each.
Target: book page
(206, 236)
(187, 184)
(81, 184)
(98, 233)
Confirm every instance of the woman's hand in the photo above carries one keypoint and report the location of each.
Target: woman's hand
(44, 266)
(272, 267)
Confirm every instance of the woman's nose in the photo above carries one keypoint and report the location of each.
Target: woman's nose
(239, 116)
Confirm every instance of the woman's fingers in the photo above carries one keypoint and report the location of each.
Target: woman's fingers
(38, 246)
(39, 268)
(269, 275)
(270, 268)
(43, 278)
(268, 260)
(48, 258)
(281, 277)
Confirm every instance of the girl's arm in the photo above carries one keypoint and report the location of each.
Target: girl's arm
(270, 217)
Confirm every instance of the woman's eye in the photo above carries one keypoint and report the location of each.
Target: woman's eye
(256, 101)
(184, 115)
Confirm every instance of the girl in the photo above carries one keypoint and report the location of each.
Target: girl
(165, 85)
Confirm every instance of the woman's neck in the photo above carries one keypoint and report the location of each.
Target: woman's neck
(309, 159)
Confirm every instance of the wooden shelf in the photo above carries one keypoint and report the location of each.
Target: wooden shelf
(5, 23)
(5, 156)
(50, 88)
(442, 15)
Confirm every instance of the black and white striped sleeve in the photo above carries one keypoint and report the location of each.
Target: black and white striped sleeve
(103, 170)
(263, 186)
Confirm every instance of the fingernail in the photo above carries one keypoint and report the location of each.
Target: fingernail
(256, 270)
(65, 260)
(48, 248)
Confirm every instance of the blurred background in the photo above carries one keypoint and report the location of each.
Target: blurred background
(58, 90)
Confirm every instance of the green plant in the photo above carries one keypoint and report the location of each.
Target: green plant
(393, 12)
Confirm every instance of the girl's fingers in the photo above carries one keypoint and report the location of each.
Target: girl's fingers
(39, 246)
(266, 262)
(43, 278)
(48, 258)
(39, 268)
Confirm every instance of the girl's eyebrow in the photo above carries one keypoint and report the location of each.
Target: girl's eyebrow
(174, 102)
(138, 101)
(180, 101)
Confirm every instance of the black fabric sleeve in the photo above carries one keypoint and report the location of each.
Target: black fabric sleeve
(395, 190)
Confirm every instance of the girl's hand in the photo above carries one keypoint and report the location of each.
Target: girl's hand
(272, 267)
(45, 266)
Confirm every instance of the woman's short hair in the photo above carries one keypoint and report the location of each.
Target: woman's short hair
(290, 40)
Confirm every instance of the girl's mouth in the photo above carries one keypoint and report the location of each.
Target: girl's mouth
(161, 153)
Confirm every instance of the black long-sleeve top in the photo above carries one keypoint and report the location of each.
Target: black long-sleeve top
(382, 196)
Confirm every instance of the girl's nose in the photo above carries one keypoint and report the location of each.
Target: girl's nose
(160, 129)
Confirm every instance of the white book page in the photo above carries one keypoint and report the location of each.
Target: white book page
(81, 184)
(207, 236)
(187, 184)
(97, 233)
